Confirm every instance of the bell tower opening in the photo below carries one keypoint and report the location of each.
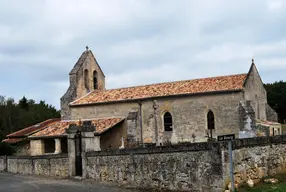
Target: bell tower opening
(95, 83)
(86, 82)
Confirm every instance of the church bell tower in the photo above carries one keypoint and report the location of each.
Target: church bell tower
(86, 76)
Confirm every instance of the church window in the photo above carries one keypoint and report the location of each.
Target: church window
(168, 122)
(86, 82)
(95, 83)
(211, 120)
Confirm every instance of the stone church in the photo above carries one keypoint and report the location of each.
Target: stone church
(181, 111)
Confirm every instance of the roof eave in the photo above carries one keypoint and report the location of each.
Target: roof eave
(46, 137)
(158, 97)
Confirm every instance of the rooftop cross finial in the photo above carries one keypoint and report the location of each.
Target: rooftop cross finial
(87, 48)
(252, 61)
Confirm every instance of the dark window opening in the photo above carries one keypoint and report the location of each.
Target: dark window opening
(64, 145)
(49, 145)
(86, 82)
(168, 122)
(211, 120)
(95, 83)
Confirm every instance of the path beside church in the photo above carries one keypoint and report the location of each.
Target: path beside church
(21, 183)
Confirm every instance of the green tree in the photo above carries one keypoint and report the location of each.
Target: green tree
(16, 116)
(276, 96)
(23, 103)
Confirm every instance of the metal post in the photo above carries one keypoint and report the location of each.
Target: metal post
(231, 165)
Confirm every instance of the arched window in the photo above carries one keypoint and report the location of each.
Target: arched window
(211, 120)
(86, 82)
(168, 122)
(95, 83)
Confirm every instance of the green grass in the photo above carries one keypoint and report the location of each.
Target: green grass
(265, 187)
(279, 187)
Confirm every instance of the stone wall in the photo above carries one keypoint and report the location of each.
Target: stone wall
(113, 137)
(256, 158)
(78, 86)
(189, 167)
(195, 167)
(37, 147)
(256, 93)
(271, 114)
(3, 163)
(22, 148)
(181, 167)
(189, 115)
(48, 165)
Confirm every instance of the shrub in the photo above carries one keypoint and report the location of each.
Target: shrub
(6, 149)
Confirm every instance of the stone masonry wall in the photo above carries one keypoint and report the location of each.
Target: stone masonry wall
(256, 158)
(256, 93)
(189, 167)
(181, 168)
(189, 115)
(3, 163)
(49, 165)
(271, 114)
(77, 86)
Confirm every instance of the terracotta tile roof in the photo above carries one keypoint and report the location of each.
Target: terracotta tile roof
(32, 129)
(258, 121)
(212, 84)
(58, 128)
(12, 140)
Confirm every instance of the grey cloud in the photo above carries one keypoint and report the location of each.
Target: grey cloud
(136, 42)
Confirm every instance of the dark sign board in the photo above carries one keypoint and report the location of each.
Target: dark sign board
(226, 137)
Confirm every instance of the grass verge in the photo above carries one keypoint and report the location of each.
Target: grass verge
(266, 187)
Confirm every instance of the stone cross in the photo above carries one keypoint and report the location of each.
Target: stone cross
(248, 123)
(122, 143)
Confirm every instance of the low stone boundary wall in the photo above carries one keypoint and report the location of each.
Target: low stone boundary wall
(3, 163)
(182, 167)
(256, 158)
(46, 165)
(189, 167)
(195, 167)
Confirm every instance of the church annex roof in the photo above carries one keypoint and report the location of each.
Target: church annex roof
(33, 128)
(23, 133)
(195, 86)
(58, 128)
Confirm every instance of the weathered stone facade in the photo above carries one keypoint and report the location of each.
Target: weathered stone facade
(271, 114)
(82, 81)
(37, 147)
(181, 168)
(255, 92)
(3, 163)
(256, 158)
(234, 112)
(22, 148)
(49, 165)
(189, 116)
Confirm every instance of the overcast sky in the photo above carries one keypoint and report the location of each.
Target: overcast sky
(137, 41)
